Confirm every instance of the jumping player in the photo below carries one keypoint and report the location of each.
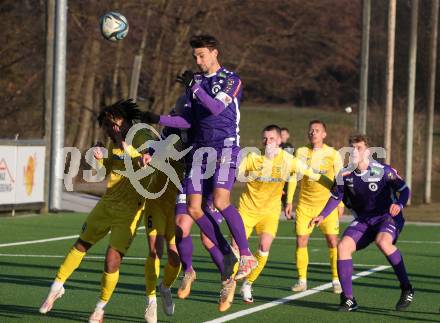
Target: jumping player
(212, 111)
(118, 212)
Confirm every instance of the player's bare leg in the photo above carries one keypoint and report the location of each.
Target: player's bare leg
(302, 262)
(69, 265)
(109, 280)
(332, 244)
(384, 242)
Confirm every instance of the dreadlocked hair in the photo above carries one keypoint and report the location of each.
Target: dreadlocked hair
(126, 109)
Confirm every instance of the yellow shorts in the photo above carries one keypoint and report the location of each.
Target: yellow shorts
(304, 215)
(159, 218)
(121, 220)
(263, 223)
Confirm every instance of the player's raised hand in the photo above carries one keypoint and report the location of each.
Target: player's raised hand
(187, 78)
(316, 221)
(395, 209)
(288, 211)
(97, 151)
(145, 160)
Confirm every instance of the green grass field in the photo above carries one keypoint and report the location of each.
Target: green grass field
(27, 270)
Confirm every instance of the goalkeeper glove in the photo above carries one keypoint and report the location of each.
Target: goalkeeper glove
(187, 78)
(150, 117)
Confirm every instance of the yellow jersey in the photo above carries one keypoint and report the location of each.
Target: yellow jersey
(265, 181)
(325, 161)
(119, 187)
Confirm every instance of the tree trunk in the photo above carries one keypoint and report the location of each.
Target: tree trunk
(73, 116)
(83, 134)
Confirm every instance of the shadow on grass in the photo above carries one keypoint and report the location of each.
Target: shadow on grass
(23, 313)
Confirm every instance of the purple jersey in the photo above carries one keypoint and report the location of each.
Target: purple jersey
(370, 193)
(212, 109)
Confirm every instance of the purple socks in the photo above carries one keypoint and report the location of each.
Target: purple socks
(396, 260)
(345, 271)
(212, 231)
(185, 248)
(236, 227)
(217, 257)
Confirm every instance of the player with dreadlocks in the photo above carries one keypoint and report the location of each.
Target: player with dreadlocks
(118, 212)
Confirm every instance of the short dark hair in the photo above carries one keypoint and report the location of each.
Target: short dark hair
(356, 138)
(316, 121)
(272, 127)
(204, 41)
(126, 109)
(284, 129)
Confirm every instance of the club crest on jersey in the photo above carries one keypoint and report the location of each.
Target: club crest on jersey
(216, 88)
(373, 187)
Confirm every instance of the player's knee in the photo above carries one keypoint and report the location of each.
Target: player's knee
(383, 243)
(332, 241)
(220, 203)
(112, 263)
(345, 249)
(82, 246)
(195, 212)
(154, 253)
(302, 241)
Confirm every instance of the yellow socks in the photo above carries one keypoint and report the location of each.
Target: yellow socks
(152, 270)
(69, 265)
(108, 285)
(170, 275)
(333, 256)
(302, 262)
(262, 257)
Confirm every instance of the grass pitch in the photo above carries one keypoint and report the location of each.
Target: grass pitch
(27, 270)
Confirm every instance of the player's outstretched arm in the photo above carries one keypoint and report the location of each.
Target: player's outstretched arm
(163, 120)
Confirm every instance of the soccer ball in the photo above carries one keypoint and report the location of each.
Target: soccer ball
(114, 26)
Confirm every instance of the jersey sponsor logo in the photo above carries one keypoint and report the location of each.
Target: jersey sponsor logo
(376, 171)
(373, 187)
(216, 88)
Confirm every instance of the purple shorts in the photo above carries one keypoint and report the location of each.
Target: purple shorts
(181, 206)
(207, 175)
(364, 231)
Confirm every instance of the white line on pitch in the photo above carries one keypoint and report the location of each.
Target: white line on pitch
(62, 256)
(37, 241)
(45, 240)
(194, 235)
(281, 301)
